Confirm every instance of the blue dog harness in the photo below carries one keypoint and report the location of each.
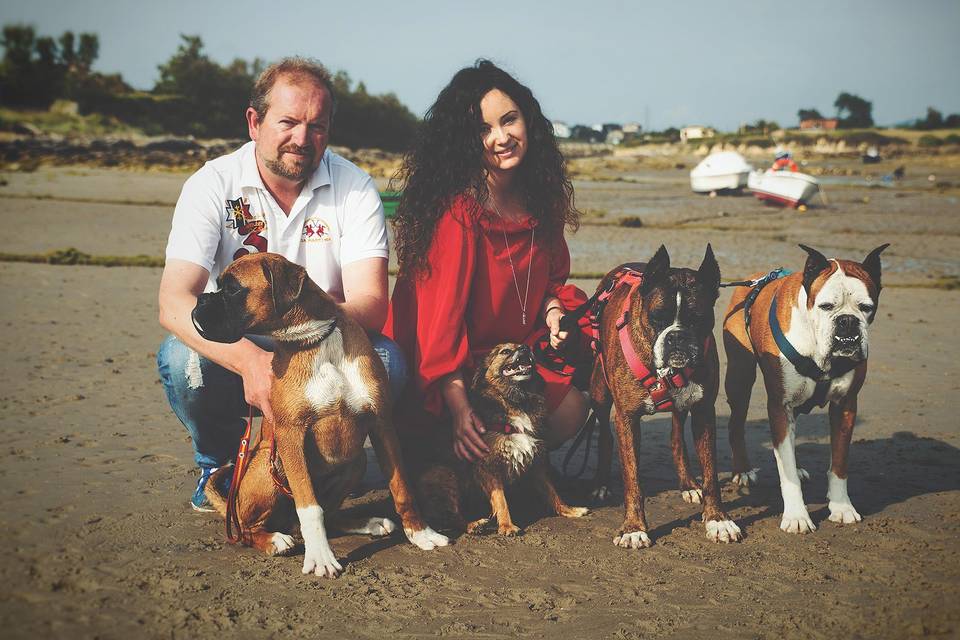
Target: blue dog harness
(804, 365)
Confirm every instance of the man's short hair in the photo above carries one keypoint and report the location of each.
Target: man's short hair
(294, 68)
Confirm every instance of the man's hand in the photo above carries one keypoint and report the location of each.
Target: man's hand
(468, 442)
(557, 337)
(258, 378)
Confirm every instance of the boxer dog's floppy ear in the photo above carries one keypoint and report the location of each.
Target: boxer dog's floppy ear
(286, 283)
(709, 272)
(871, 264)
(656, 270)
(816, 262)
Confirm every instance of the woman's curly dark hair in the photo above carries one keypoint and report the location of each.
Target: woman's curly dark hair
(447, 161)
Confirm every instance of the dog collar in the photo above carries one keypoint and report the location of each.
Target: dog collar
(307, 332)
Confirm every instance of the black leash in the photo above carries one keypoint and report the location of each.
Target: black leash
(586, 433)
(773, 275)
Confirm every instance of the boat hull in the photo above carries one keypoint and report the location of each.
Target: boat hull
(723, 182)
(721, 171)
(789, 189)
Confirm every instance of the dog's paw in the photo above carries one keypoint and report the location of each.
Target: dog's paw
(509, 530)
(600, 495)
(723, 531)
(319, 560)
(843, 513)
(574, 512)
(803, 474)
(692, 496)
(281, 544)
(476, 527)
(746, 478)
(797, 523)
(633, 540)
(426, 538)
(379, 527)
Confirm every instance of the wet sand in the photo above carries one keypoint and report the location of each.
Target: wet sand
(97, 471)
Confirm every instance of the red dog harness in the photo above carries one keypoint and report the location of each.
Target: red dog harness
(658, 387)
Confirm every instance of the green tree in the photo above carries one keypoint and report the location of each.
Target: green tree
(934, 120)
(853, 112)
(761, 126)
(215, 97)
(35, 71)
(809, 114)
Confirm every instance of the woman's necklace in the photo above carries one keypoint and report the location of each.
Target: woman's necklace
(516, 283)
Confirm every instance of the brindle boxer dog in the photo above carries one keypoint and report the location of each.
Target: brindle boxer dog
(808, 333)
(507, 396)
(330, 393)
(669, 325)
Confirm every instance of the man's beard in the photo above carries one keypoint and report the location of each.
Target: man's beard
(298, 172)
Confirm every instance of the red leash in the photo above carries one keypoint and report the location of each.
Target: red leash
(233, 521)
(239, 468)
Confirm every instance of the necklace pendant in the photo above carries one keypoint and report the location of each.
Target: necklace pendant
(523, 317)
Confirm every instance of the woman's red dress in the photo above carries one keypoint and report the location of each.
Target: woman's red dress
(467, 304)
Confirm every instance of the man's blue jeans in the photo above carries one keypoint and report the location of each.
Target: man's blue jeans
(208, 399)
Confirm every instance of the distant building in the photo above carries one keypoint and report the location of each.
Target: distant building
(587, 134)
(615, 136)
(632, 127)
(819, 124)
(561, 129)
(696, 133)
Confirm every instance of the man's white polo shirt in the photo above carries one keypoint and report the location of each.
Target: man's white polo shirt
(225, 211)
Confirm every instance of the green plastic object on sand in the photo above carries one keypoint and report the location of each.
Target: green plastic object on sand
(390, 201)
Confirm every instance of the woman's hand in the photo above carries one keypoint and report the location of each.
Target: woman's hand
(468, 433)
(557, 337)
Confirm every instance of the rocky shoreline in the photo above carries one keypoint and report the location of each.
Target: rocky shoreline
(19, 152)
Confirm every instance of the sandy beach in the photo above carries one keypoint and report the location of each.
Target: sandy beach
(97, 471)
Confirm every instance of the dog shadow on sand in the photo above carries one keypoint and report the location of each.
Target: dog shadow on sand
(882, 471)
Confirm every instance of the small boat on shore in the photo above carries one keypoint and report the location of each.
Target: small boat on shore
(786, 188)
(722, 171)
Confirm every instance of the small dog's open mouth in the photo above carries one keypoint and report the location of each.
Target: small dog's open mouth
(516, 369)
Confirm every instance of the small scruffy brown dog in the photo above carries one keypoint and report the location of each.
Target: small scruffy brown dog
(507, 396)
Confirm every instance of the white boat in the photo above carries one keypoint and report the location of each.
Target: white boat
(788, 188)
(722, 171)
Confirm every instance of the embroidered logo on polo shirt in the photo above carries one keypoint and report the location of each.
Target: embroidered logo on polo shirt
(314, 230)
(247, 225)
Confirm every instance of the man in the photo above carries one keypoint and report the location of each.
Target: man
(286, 193)
(783, 161)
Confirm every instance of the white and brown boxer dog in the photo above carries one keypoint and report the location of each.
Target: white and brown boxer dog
(808, 332)
(330, 392)
(657, 353)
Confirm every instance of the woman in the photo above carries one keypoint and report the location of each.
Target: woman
(479, 237)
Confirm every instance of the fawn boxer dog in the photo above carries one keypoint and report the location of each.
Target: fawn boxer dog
(507, 396)
(330, 392)
(656, 353)
(808, 333)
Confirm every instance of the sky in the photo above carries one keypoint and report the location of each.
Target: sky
(659, 64)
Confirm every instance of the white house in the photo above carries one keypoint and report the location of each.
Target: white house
(696, 132)
(560, 129)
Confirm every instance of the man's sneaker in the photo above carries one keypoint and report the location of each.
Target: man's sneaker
(199, 501)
